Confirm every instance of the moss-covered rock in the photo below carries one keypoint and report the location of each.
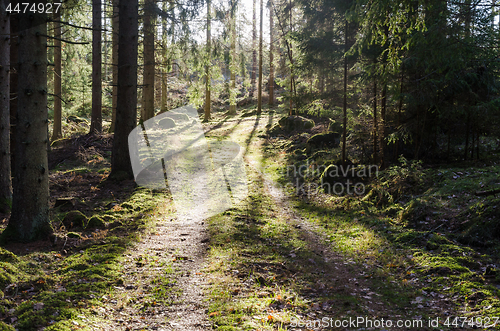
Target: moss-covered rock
(166, 123)
(6, 327)
(74, 219)
(335, 126)
(96, 222)
(330, 139)
(6, 256)
(74, 235)
(177, 117)
(295, 123)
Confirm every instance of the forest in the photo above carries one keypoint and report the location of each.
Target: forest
(249, 165)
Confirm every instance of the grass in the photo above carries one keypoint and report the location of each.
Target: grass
(67, 285)
(418, 233)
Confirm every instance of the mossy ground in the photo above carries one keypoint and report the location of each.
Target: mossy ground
(428, 243)
(64, 283)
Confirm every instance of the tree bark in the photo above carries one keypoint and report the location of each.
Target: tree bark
(30, 206)
(383, 111)
(57, 126)
(126, 111)
(165, 64)
(5, 174)
(271, 56)
(344, 135)
(259, 98)
(375, 124)
(207, 69)
(233, 65)
(148, 95)
(254, 48)
(114, 56)
(14, 68)
(96, 119)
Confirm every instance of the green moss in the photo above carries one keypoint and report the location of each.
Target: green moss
(74, 235)
(6, 327)
(96, 222)
(166, 123)
(6, 256)
(74, 219)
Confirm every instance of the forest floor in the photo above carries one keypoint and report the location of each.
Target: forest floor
(122, 260)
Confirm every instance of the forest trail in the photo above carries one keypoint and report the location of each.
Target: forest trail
(312, 283)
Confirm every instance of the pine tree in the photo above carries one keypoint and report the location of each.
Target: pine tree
(126, 111)
(232, 65)
(30, 221)
(114, 57)
(254, 48)
(5, 171)
(271, 54)
(57, 126)
(148, 96)
(96, 118)
(207, 68)
(259, 98)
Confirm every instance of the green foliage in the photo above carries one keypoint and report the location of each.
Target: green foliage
(397, 181)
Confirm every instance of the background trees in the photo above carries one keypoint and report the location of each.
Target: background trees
(393, 77)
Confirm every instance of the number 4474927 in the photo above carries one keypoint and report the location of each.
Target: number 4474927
(41, 8)
(477, 321)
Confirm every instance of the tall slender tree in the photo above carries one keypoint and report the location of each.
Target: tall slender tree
(207, 68)
(114, 57)
(148, 95)
(271, 54)
(344, 112)
(165, 64)
(96, 118)
(57, 126)
(254, 48)
(259, 97)
(126, 111)
(30, 221)
(5, 174)
(232, 64)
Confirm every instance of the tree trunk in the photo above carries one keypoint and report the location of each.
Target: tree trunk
(232, 65)
(290, 51)
(114, 56)
(164, 67)
(254, 47)
(126, 111)
(57, 127)
(259, 98)
(344, 135)
(96, 119)
(375, 124)
(207, 69)
(383, 111)
(30, 206)
(5, 174)
(148, 95)
(271, 56)
(14, 69)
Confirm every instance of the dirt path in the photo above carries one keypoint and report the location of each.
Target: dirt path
(168, 285)
(165, 265)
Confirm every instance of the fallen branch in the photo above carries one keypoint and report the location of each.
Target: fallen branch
(489, 192)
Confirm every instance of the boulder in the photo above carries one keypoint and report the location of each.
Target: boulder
(74, 219)
(166, 123)
(295, 123)
(330, 139)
